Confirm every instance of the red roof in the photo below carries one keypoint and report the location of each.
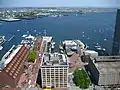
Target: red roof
(16, 64)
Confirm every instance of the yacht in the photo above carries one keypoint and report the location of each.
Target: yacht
(1, 48)
(2, 40)
(18, 30)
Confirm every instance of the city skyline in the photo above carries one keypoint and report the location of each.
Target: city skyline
(60, 3)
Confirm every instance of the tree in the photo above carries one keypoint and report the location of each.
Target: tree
(81, 79)
(32, 56)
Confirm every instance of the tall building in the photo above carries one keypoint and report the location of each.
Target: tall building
(105, 70)
(116, 39)
(54, 71)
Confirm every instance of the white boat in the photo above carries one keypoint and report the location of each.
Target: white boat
(1, 48)
(83, 32)
(104, 49)
(27, 31)
(88, 38)
(18, 30)
(83, 35)
(24, 35)
(34, 30)
(105, 39)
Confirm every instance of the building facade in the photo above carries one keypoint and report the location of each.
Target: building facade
(105, 70)
(116, 39)
(54, 71)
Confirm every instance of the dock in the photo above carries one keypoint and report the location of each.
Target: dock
(11, 38)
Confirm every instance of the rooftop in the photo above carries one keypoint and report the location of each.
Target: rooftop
(14, 66)
(54, 59)
(91, 51)
(9, 56)
(108, 64)
(108, 67)
(108, 59)
(74, 43)
(47, 38)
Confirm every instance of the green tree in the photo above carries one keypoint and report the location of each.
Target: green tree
(32, 56)
(81, 79)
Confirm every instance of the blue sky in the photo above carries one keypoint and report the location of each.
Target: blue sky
(60, 3)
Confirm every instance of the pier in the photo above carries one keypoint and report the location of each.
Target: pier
(11, 38)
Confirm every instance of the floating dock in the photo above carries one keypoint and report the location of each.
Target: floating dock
(11, 38)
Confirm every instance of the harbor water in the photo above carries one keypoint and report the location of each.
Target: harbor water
(90, 28)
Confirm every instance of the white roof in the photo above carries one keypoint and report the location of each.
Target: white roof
(4, 61)
(90, 51)
(69, 42)
(80, 43)
(47, 38)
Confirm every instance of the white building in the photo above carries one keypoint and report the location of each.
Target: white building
(54, 71)
(91, 53)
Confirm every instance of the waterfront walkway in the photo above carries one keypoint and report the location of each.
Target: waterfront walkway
(40, 47)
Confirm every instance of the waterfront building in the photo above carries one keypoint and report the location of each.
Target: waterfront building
(54, 70)
(105, 71)
(49, 43)
(71, 46)
(91, 53)
(12, 65)
(116, 39)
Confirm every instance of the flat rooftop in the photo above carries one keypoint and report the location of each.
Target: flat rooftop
(47, 38)
(108, 67)
(54, 59)
(108, 59)
(108, 64)
(71, 43)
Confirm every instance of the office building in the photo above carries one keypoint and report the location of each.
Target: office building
(105, 70)
(54, 70)
(116, 39)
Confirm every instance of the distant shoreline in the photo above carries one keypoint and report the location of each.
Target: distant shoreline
(35, 17)
(18, 19)
(10, 20)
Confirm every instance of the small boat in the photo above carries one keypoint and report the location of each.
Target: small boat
(18, 30)
(27, 31)
(83, 32)
(24, 35)
(94, 30)
(104, 49)
(83, 35)
(1, 48)
(98, 47)
(88, 38)
(34, 30)
(39, 32)
(105, 39)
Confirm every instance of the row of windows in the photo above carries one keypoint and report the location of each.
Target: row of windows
(57, 73)
(53, 70)
(56, 80)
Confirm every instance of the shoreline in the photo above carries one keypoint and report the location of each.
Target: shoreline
(31, 18)
(19, 19)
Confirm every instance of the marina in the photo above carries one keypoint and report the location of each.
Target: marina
(54, 28)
